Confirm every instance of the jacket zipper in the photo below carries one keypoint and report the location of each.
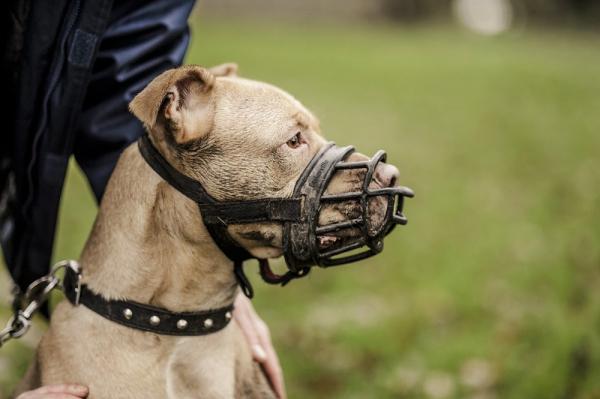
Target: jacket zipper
(55, 71)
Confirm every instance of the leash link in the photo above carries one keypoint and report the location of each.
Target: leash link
(33, 299)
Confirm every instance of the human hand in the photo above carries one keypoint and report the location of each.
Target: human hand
(259, 338)
(63, 391)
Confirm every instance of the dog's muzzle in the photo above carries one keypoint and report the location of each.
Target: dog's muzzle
(303, 236)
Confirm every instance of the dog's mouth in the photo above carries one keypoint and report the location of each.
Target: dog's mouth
(348, 235)
(351, 212)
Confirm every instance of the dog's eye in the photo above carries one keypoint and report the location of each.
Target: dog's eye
(295, 141)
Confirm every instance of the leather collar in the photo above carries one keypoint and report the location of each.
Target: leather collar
(145, 317)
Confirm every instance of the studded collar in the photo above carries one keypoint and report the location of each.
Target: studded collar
(145, 317)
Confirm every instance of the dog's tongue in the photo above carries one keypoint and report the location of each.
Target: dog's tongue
(338, 238)
(327, 241)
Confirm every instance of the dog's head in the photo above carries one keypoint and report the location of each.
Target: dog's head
(243, 140)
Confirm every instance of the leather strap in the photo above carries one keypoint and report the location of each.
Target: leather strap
(216, 212)
(184, 184)
(145, 317)
(276, 210)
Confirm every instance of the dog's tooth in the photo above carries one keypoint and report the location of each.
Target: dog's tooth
(208, 323)
(154, 320)
(127, 313)
(181, 324)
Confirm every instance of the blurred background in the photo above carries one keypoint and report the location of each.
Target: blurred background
(491, 111)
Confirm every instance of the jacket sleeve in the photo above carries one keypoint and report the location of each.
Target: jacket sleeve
(143, 39)
(80, 63)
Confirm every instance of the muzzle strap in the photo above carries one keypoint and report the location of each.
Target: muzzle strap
(274, 210)
(215, 212)
(182, 183)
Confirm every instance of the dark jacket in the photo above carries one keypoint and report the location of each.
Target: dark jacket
(70, 69)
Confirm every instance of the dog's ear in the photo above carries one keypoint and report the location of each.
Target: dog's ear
(178, 102)
(228, 69)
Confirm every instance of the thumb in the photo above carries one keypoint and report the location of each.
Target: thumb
(258, 353)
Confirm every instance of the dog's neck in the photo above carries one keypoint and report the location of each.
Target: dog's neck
(149, 245)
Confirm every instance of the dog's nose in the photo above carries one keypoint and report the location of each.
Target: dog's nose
(386, 174)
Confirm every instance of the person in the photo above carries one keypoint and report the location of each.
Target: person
(70, 68)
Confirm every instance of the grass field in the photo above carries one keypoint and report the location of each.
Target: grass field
(493, 289)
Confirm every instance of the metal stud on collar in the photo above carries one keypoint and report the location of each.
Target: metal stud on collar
(127, 313)
(182, 324)
(155, 320)
(208, 323)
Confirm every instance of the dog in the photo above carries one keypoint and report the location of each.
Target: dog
(242, 139)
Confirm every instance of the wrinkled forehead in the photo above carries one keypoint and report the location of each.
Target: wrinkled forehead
(244, 105)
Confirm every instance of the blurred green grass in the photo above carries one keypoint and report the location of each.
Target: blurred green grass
(492, 290)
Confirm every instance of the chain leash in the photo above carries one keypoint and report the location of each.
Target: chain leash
(37, 293)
